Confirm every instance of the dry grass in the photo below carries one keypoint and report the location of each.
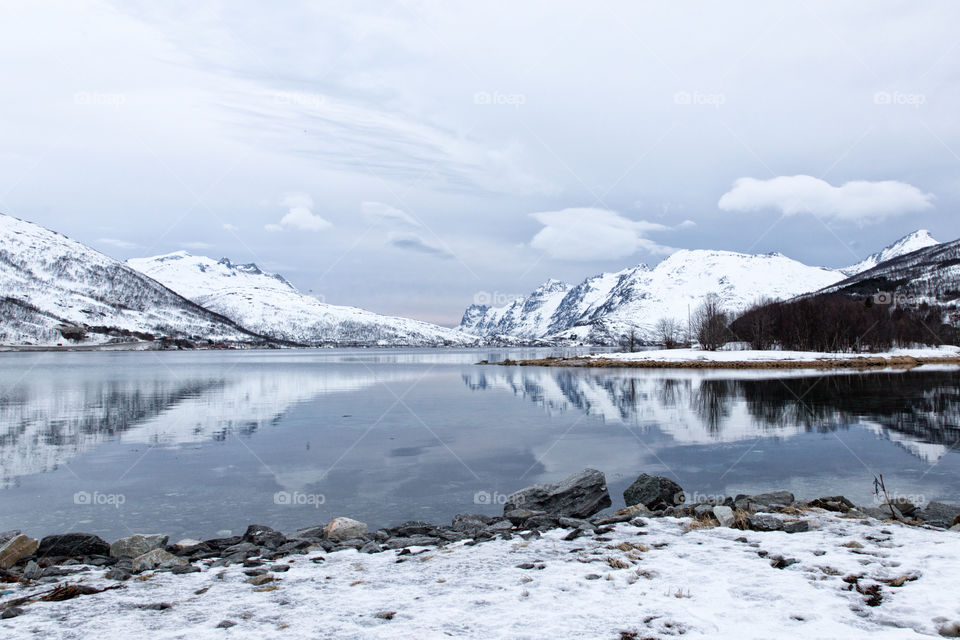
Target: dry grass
(704, 522)
(629, 546)
(617, 563)
(740, 519)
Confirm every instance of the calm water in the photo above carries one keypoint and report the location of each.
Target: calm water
(196, 443)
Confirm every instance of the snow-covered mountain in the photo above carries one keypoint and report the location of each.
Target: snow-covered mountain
(930, 274)
(48, 281)
(603, 308)
(919, 239)
(269, 305)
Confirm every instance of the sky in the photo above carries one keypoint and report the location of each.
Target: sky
(413, 157)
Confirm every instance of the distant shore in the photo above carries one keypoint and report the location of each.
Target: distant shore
(750, 359)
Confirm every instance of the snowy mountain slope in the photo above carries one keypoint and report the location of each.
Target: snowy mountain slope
(47, 279)
(269, 305)
(603, 308)
(919, 239)
(930, 274)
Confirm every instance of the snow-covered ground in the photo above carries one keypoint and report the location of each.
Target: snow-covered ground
(655, 581)
(752, 355)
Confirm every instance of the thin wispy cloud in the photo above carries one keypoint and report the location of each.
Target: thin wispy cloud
(410, 241)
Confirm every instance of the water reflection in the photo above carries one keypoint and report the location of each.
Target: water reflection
(919, 409)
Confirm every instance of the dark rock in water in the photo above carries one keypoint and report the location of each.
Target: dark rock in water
(452, 536)
(833, 503)
(73, 545)
(246, 548)
(800, 526)
(939, 514)
(576, 523)
(470, 523)
(579, 496)
(764, 522)
(7, 536)
(264, 536)
(11, 612)
(773, 498)
(296, 545)
(226, 624)
(654, 492)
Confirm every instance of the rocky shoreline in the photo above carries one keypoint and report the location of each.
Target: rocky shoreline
(862, 363)
(57, 567)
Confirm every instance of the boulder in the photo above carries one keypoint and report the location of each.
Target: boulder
(18, 547)
(797, 526)
(519, 516)
(654, 492)
(579, 496)
(773, 498)
(137, 545)
(764, 522)
(833, 503)
(470, 523)
(73, 545)
(344, 528)
(939, 513)
(156, 559)
(724, 515)
(264, 536)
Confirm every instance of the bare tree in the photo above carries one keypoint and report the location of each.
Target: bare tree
(668, 332)
(630, 341)
(710, 323)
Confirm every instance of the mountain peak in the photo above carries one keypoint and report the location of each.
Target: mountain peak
(909, 243)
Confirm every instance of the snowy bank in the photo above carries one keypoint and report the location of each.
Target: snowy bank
(748, 358)
(848, 577)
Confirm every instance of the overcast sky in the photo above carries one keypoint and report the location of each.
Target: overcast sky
(407, 156)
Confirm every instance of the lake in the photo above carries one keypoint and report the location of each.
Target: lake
(195, 444)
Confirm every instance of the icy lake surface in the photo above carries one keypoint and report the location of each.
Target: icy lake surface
(199, 443)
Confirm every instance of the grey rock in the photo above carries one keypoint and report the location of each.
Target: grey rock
(280, 568)
(73, 545)
(940, 513)
(497, 527)
(6, 536)
(580, 496)
(370, 547)
(15, 549)
(833, 503)
(576, 523)
(799, 526)
(185, 568)
(764, 522)
(11, 612)
(412, 541)
(317, 531)
(226, 624)
(654, 492)
(773, 498)
(264, 536)
(259, 581)
(137, 545)
(542, 522)
(955, 527)
(156, 559)
(32, 571)
(724, 515)
(452, 536)
(470, 523)
(246, 548)
(703, 510)
(414, 528)
(344, 528)
(519, 516)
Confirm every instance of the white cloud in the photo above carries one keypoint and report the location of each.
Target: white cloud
(121, 244)
(687, 224)
(299, 216)
(413, 242)
(859, 200)
(230, 227)
(593, 234)
(387, 215)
